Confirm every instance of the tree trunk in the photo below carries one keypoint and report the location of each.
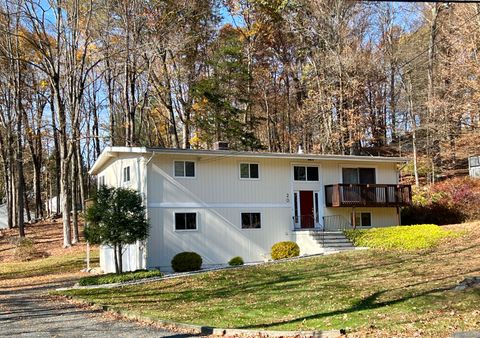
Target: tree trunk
(120, 259)
(74, 195)
(115, 255)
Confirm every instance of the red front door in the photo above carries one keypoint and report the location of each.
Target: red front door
(306, 210)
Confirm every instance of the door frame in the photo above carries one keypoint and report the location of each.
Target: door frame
(315, 186)
(317, 207)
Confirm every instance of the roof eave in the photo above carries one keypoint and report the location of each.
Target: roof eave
(110, 152)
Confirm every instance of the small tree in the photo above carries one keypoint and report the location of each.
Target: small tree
(116, 218)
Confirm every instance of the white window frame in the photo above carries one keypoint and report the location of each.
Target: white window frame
(249, 173)
(306, 172)
(185, 212)
(125, 170)
(359, 213)
(341, 166)
(251, 212)
(186, 177)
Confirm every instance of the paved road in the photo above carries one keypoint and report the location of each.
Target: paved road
(25, 313)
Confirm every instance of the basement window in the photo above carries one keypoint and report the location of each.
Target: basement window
(185, 221)
(251, 220)
(362, 219)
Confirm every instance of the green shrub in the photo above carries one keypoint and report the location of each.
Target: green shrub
(412, 237)
(119, 278)
(282, 250)
(433, 213)
(186, 261)
(236, 261)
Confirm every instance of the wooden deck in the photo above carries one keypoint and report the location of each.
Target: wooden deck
(368, 195)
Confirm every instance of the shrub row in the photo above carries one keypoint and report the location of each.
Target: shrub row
(184, 262)
(191, 261)
(119, 278)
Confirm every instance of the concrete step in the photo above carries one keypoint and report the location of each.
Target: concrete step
(334, 242)
(338, 245)
(331, 238)
(328, 235)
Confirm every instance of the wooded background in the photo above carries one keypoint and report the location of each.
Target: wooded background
(335, 76)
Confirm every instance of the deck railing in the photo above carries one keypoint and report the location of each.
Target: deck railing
(370, 195)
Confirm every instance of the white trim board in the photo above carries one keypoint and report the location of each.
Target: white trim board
(219, 205)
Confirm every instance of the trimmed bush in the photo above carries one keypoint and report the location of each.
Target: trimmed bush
(186, 261)
(236, 261)
(283, 250)
(412, 237)
(119, 278)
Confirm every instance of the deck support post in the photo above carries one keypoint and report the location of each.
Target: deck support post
(354, 219)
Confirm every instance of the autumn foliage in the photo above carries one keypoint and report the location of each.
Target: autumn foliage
(447, 202)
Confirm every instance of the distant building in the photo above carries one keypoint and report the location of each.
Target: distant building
(474, 166)
(3, 216)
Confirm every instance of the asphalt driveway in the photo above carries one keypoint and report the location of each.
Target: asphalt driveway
(26, 313)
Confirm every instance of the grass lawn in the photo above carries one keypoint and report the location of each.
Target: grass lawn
(375, 293)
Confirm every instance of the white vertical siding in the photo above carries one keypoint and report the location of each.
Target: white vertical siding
(218, 195)
(218, 237)
(133, 256)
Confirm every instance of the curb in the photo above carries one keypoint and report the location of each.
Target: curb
(202, 330)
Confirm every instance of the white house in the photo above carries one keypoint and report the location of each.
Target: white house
(222, 203)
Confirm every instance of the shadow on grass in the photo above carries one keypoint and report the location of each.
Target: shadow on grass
(367, 303)
(30, 270)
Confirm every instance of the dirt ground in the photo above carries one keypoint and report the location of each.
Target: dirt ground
(47, 237)
(52, 263)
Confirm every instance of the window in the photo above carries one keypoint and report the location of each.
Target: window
(362, 219)
(184, 169)
(305, 173)
(101, 181)
(358, 175)
(186, 221)
(249, 171)
(251, 220)
(126, 174)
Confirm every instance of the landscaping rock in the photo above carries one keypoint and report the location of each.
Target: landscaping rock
(468, 334)
(469, 282)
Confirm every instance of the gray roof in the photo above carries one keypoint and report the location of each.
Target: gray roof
(117, 151)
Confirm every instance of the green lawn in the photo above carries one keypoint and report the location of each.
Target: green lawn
(366, 292)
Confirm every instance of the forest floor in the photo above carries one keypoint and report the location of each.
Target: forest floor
(48, 260)
(26, 309)
(368, 293)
